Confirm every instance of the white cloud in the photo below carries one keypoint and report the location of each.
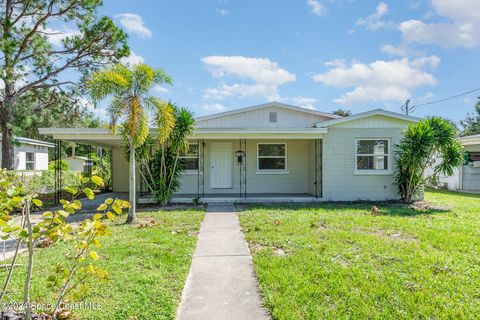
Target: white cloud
(380, 81)
(161, 89)
(304, 102)
(263, 77)
(447, 35)
(461, 28)
(134, 24)
(374, 21)
(337, 63)
(222, 12)
(215, 107)
(401, 50)
(55, 37)
(132, 59)
(242, 91)
(316, 6)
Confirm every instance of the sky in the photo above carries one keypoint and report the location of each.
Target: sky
(321, 54)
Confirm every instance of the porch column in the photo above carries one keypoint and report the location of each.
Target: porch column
(201, 169)
(243, 168)
(318, 168)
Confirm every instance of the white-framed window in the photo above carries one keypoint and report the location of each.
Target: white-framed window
(189, 160)
(372, 155)
(272, 157)
(29, 160)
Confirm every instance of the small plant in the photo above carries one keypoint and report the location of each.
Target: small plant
(80, 239)
(196, 201)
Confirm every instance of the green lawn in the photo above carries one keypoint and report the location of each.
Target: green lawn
(339, 261)
(147, 268)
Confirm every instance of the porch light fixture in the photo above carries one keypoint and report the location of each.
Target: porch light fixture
(239, 154)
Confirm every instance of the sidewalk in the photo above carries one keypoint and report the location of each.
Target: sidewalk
(221, 283)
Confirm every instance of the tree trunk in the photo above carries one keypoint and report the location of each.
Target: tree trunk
(132, 185)
(7, 147)
(8, 77)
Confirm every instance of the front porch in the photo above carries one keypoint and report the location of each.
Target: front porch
(231, 198)
(252, 170)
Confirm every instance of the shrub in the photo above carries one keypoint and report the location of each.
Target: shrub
(45, 183)
(52, 165)
(422, 142)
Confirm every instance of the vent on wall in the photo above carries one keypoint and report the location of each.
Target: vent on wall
(273, 117)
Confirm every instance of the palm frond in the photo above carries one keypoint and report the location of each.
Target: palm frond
(164, 119)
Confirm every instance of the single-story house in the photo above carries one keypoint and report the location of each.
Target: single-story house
(467, 177)
(78, 163)
(275, 151)
(30, 154)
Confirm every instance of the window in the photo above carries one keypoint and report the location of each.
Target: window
(372, 155)
(272, 157)
(273, 117)
(189, 160)
(29, 161)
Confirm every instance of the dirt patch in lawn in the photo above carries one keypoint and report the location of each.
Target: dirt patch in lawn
(276, 251)
(396, 235)
(427, 206)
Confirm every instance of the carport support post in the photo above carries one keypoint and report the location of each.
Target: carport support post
(58, 171)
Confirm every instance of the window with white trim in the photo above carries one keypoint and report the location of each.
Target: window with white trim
(272, 157)
(29, 160)
(372, 155)
(189, 160)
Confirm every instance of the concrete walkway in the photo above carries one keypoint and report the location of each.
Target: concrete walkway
(221, 283)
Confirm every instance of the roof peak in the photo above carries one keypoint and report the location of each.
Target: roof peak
(267, 105)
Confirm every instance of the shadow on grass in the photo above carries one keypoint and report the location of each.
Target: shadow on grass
(386, 208)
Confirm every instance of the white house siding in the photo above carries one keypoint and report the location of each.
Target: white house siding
(120, 172)
(260, 118)
(471, 178)
(75, 164)
(41, 156)
(340, 183)
(295, 181)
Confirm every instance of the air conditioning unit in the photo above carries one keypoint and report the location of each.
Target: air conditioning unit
(476, 164)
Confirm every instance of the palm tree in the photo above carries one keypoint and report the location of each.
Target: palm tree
(129, 89)
(421, 143)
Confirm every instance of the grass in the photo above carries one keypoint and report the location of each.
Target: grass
(338, 261)
(147, 268)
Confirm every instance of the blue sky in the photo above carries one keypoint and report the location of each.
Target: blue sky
(323, 54)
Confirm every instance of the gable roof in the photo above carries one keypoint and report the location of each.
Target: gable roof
(376, 112)
(33, 142)
(267, 105)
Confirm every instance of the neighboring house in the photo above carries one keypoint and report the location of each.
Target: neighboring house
(78, 163)
(277, 152)
(467, 177)
(30, 154)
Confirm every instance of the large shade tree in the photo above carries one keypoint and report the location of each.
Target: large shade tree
(129, 89)
(39, 59)
(422, 142)
(471, 124)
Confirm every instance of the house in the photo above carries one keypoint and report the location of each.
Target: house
(78, 163)
(467, 177)
(276, 151)
(30, 154)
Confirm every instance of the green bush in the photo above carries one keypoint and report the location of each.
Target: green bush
(54, 164)
(45, 183)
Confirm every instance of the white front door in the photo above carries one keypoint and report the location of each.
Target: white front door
(221, 165)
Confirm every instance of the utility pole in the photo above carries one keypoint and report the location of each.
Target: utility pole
(406, 106)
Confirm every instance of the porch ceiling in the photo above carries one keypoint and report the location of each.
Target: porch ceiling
(90, 136)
